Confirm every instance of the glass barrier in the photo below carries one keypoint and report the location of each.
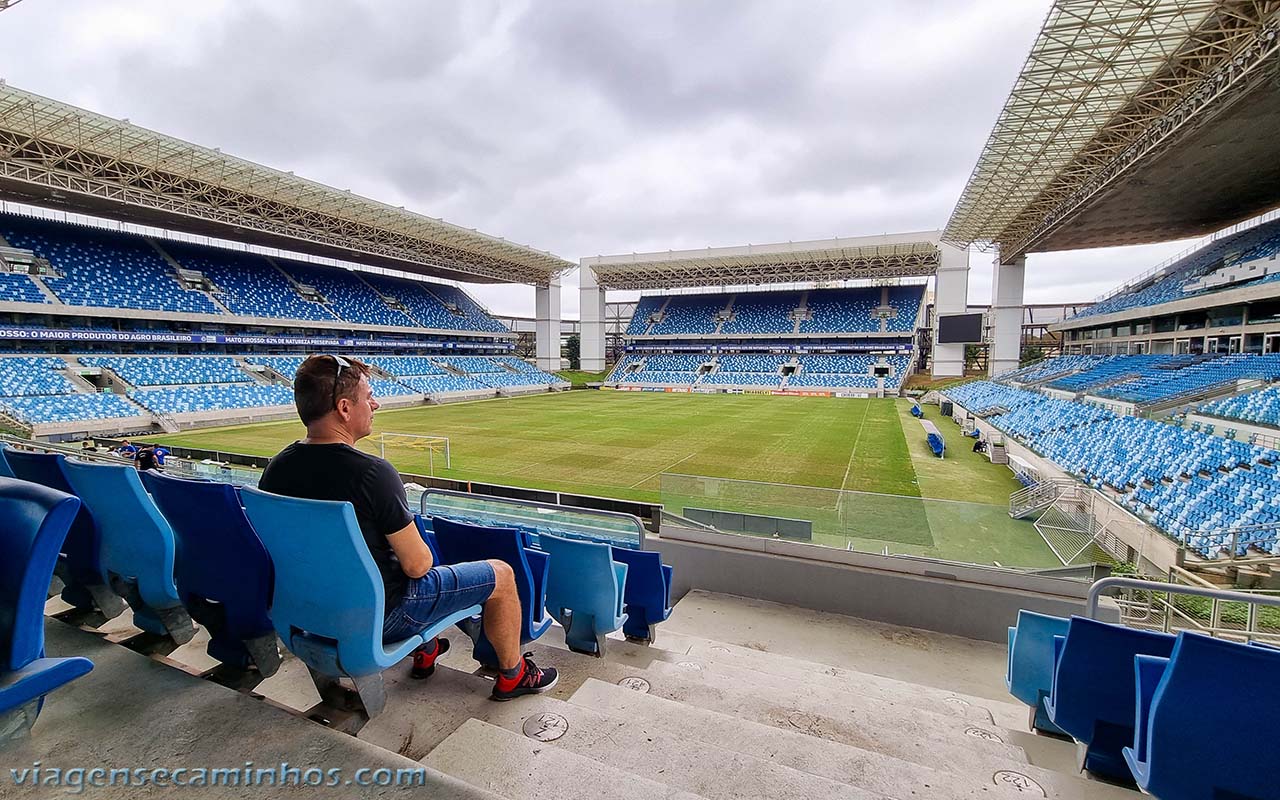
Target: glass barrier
(620, 530)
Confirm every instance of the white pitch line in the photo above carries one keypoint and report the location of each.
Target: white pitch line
(664, 469)
(854, 452)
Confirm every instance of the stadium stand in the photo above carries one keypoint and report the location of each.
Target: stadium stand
(18, 288)
(1164, 384)
(1262, 407)
(248, 284)
(69, 408)
(841, 310)
(211, 397)
(349, 296)
(102, 268)
(171, 370)
(33, 376)
(835, 371)
(646, 307)
(760, 313)
(906, 301)
(476, 316)
(687, 315)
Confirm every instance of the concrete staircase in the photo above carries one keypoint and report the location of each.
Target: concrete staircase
(736, 699)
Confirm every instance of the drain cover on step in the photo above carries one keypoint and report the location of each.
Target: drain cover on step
(635, 684)
(545, 727)
(1007, 777)
(719, 648)
(693, 665)
(979, 733)
(956, 701)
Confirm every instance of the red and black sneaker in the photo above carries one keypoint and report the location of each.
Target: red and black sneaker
(530, 680)
(424, 658)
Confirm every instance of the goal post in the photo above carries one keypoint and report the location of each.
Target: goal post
(408, 450)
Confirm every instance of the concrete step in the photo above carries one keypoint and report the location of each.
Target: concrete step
(518, 767)
(812, 673)
(961, 746)
(846, 764)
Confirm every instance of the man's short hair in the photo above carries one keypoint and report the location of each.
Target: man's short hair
(314, 392)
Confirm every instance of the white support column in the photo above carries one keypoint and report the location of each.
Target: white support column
(546, 325)
(950, 296)
(1006, 315)
(591, 306)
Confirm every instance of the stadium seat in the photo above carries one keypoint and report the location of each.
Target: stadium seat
(5, 470)
(647, 598)
(34, 521)
(80, 564)
(585, 591)
(223, 573)
(1092, 697)
(328, 603)
(136, 543)
(459, 542)
(1029, 675)
(1201, 731)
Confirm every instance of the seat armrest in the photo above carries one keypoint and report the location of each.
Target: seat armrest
(1008, 664)
(620, 577)
(1148, 671)
(540, 569)
(668, 574)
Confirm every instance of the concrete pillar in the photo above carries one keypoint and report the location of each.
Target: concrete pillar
(546, 325)
(591, 305)
(1006, 315)
(950, 296)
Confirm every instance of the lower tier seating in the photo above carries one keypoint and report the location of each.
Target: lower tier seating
(185, 399)
(69, 408)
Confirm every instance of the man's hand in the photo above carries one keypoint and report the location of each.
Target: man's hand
(413, 553)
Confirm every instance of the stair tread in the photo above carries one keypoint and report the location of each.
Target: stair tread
(517, 767)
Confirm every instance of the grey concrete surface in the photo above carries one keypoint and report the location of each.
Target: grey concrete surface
(521, 768)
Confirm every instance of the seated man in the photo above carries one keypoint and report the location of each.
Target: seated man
(336, 404)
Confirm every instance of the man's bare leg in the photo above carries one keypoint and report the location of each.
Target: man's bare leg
(502, 616)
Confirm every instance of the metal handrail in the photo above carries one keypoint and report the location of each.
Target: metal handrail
(1106, 584)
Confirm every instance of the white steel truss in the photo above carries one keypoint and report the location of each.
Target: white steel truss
(738, 267)
(1108, 84)
(52, 145)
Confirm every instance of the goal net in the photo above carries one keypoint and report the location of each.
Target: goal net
(411, 452)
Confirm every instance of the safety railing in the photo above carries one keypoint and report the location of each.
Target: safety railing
(1172, 607)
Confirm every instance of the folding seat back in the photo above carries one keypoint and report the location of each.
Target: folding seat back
(647, 597)
(223, 573)
(458, 542)
(5, 470)
(1029, 674)
(585, 591)
(80, 563)
(1092, 697)
(1191, 708)
(137, 545)
(328, 602)
(34, 521)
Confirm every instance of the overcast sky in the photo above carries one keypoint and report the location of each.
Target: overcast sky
(581, 127)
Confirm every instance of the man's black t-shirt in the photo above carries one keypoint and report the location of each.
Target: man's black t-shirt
(370, 484)
(146, 459)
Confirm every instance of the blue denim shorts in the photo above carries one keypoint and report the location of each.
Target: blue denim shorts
(436, 595)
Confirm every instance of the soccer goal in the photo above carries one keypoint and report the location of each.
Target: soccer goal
(412, 451)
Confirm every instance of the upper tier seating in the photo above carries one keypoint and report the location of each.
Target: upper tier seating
(69, 408)
(223, 573)
(328, 603)
(839, 310)
(907, 300)
(1158, 385)
(646, 306)
(1107, 369)
(477, 318)
(428, 304)
(1262, 407)
(36, 521)
(1050, 367)
(18, 288)
(185, 399)
(690, 314)
(349, 296)
(104, 268)
(760, 313)
(23, 376)
(171, 370)
(249, 284)
(1259, 242)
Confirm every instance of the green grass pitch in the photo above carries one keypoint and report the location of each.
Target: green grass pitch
(618, 444)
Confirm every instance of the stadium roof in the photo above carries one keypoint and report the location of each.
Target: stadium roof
(895, 256)
(57, 155)
(1131, 123)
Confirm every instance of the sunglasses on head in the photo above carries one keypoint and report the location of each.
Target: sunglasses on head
(337, 376)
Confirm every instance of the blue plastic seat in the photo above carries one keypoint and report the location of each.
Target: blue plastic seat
(137, 545)
(1192, 707)
(459, 542)
(80, 563)
(1029, 674)
(223, 573)
(5, 470)
(647, 597)
(34, 520)
(328, 604)
(1092, 697)
(585, 591)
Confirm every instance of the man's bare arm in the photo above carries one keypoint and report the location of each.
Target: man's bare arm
(415, 556)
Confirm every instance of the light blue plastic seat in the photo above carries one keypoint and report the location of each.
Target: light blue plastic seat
(137, 545)
(585, 591)
(458, 542)
(34, 520)
(329, 600)
(1092, 697)
(647, 597)
(1029, 674)
(1203, 724)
